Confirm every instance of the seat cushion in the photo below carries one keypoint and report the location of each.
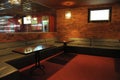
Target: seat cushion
(10, 56)
(6, 69)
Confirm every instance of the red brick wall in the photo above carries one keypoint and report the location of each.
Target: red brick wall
(24, 36)
(78, 25)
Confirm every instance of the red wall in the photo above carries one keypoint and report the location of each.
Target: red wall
(78, 25)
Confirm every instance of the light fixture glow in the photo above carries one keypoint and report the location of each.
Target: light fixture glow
(20, 21)
(16, 2)
(35, 18)
(67, 14)
(27, 7)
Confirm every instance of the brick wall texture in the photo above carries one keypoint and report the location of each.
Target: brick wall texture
(25, 36)
(78, 25)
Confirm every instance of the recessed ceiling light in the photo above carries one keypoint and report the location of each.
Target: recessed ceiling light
(68, 3)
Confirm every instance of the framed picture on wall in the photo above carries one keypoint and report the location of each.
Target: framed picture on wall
(99, 14)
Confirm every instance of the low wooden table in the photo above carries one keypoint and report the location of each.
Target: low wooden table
(36, 50)
(65, 42)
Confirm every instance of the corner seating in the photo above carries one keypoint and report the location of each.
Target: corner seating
(14, 61)
(103, 47)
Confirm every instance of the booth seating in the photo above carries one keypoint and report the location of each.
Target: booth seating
(79, 42)
(16, 60)
(104, 47)
(100, 43)
(8, 72)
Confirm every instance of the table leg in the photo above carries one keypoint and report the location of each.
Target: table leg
(65, 44)
(37, 63)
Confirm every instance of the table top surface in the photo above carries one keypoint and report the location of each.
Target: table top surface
(31, 49)
(65, 41)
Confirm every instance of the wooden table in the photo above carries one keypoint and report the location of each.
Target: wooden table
(36, 50)
(65, 42)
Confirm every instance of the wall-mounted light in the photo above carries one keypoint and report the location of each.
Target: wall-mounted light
(20, 21)
(67, 14)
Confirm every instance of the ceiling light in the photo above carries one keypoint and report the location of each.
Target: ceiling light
(15, 2)
(27, 7)
(68, 3)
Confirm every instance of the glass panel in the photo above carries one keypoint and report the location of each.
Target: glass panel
(34, 20)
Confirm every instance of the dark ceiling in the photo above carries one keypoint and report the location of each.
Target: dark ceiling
(57, 4)
(8, 9)
(48, 6)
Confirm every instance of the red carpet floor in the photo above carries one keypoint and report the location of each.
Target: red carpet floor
(85, 67)
(82, 67)
(50, 69)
